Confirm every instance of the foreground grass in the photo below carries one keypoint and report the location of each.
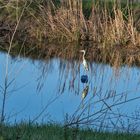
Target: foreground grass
(57, 132)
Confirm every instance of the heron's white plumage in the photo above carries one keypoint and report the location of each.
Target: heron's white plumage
(84, 60)
(85, 65)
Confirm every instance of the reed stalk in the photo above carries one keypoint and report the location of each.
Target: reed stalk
(67, 22)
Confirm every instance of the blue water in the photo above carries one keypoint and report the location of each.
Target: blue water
(51, 91)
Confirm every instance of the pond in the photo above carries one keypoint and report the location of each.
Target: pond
(52, 91)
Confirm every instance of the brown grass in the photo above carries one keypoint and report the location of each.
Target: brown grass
(113, 37)
(67, 23)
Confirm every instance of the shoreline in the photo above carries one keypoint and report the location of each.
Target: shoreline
(116, 56)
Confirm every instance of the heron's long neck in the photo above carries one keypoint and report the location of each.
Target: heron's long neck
(84, 55)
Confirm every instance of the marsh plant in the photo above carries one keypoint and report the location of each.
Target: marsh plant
(109, 29)
(75, 21)
(67, 22)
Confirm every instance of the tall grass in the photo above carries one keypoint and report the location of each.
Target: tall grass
(108, 23)
(67, 23)
(111, 30)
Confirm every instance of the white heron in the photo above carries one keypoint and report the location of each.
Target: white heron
(84, 61)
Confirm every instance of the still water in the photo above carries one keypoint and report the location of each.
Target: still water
(51, 91)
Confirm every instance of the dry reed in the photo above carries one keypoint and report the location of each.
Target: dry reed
(67, 23)
(114, 32)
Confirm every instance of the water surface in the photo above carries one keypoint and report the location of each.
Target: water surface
(51, 91)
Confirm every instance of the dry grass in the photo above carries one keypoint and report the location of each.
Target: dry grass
(114, 36)
(67, 23)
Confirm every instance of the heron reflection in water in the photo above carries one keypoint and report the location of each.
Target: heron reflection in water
(85, 64)
(85, 92)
